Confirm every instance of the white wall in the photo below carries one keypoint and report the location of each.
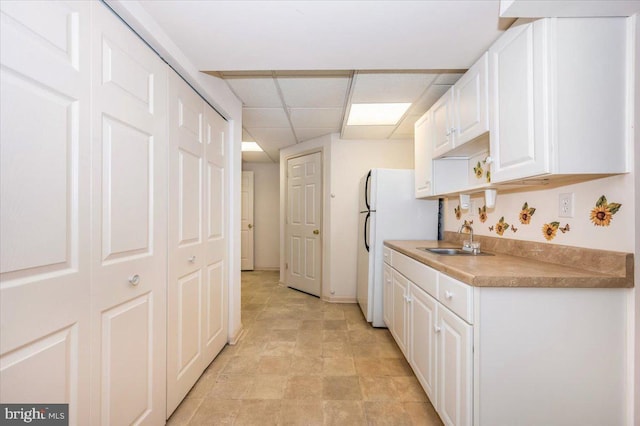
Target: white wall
(266, 214)
(344, 163)
(634, 309)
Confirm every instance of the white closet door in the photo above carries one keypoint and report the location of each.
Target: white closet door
(197, 296)
(187, 273)
(129, 204)
(44, 213)
(216, 306)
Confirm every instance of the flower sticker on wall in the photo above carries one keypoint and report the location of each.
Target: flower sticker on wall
(549, 230)
(482, 213)
(488, 176)
(478, 170)
(501, 226)
(526, 213)
(602, 213)
(458, 212)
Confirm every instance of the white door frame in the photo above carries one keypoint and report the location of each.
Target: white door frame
(325, 219)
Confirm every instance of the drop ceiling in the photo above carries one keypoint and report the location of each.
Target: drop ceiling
(341, 52)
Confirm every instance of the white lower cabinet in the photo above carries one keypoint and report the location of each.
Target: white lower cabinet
(496, 356)
(437, 343)
(387, 299)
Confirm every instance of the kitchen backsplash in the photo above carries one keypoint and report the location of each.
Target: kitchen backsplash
(602, 214)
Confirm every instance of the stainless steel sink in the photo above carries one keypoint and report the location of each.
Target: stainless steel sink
(452, 252)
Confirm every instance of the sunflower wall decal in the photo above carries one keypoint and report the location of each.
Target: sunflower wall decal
(478, 170)
(458, 212)
(482, 213)
(549, 230)
(526, 213)
(501, 226)
(602, 213)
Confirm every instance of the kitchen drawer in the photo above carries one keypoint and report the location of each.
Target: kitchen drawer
(457, 296)
(386, 254)
(421, 275)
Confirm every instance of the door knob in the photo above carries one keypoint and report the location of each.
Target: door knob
(249, 226)
(192, 259)
(316, 232)
(134, 279)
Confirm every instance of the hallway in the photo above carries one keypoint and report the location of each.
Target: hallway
(302, 361)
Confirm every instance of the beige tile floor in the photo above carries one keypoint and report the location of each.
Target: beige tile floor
(302, 361)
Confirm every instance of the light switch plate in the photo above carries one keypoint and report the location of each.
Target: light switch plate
(565, 204)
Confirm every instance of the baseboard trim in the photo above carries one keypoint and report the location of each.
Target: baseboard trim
(267, 268)
(340, 299)
(234, 339)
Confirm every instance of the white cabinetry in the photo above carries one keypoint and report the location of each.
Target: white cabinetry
(483, 354)
(436, 342)
(399, 315)
(558, 93)
(423, 154)
(461, 115)
(387, 299)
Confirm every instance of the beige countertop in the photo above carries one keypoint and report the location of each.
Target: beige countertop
(505, 270)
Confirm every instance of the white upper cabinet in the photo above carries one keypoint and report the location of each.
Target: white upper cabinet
(461, 115)
(558, 96)
(423, 147)
(471, 100)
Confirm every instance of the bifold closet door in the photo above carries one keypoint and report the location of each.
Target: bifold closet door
(44, 213)
(197, 292)
(129, 211)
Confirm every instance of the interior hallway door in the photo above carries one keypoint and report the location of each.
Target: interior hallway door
(246, 223)
(303, 220)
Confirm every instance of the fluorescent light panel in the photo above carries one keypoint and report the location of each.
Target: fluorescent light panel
(376, 114)
(251, 147)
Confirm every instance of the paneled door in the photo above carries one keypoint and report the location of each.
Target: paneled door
(129, 210)
(44, 213)
(197, 293)
(246, 222)
(303, 220)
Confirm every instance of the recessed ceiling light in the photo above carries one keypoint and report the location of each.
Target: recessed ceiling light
(376, 114)
(251, 147)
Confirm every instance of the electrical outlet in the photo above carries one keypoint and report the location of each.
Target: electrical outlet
(565, 204)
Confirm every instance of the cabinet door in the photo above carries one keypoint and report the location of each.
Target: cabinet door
(471, 100)
(519, 139)
(387, 309)
(45, 208)
(422, 339)
(423, 150)
(128, 276)
(442, 124)
(455, 358)
(399, 328)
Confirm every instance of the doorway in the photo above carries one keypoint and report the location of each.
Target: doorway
(246, 222)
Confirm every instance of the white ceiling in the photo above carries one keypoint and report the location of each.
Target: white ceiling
(298, 65)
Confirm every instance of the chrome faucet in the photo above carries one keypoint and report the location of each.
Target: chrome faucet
(468, 245)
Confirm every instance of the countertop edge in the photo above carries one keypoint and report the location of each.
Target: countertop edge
(439, 262)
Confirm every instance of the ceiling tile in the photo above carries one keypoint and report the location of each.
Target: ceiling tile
(318, 92)
(269, 138)
(316, 117)
(389, 87)
(264, 117)
(433, 93)
(367, 132)
(306, 133)
(256, 92)
(246, 136)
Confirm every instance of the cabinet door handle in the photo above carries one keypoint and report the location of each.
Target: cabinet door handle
(436, 329)
(448, 295)
(134, 279)
(488, 160)
(192, 259)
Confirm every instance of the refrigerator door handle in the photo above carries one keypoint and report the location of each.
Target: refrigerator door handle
(366, 191)
(366, 236)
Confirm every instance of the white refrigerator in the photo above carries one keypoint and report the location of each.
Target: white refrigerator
(388, 211)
